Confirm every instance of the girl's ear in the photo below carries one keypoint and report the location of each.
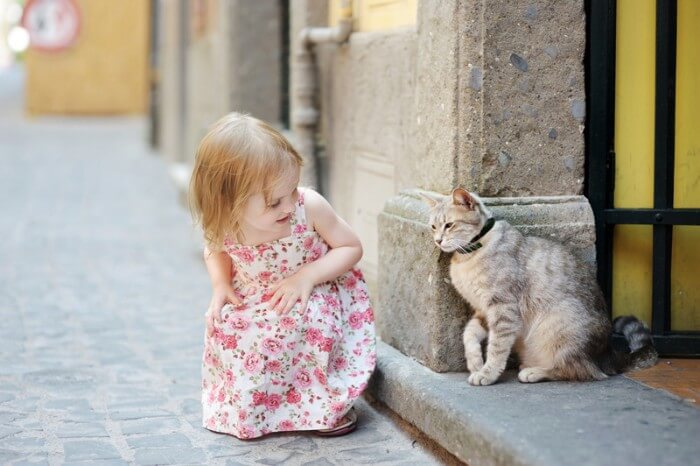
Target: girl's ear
(431, 199)
(461, 197)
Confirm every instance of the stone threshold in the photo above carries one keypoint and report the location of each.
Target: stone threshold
(554, 423)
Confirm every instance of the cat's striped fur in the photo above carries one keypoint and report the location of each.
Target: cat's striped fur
(533, 296)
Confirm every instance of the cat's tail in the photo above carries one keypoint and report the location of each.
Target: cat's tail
(642, 353)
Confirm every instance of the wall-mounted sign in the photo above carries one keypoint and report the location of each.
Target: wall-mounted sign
(53, 25)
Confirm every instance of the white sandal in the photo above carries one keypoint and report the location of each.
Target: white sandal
(346, 427)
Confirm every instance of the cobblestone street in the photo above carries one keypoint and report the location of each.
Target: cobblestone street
(102, 295)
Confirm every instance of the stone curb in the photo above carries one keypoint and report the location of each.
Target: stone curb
(554, 423)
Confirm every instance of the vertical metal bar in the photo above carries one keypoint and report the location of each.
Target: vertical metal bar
(664, 147)
(600, 81)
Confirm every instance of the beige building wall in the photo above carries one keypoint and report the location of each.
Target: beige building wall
(367, 109)
(105, 72)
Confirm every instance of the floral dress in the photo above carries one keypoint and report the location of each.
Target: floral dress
(263, 372)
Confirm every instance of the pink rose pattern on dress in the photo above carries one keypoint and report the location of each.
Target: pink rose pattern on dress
(264, 373)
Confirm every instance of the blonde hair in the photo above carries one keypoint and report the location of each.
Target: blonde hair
(239, 157)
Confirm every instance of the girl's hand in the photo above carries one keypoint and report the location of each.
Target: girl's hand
(289, 291)
(221, 295)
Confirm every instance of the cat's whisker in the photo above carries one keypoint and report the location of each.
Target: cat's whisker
(457, 246)
(462, 248)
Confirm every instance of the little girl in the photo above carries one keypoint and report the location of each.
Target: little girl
(290, 334)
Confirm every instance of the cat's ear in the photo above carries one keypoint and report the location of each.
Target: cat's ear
(431, 199)
(462, 197)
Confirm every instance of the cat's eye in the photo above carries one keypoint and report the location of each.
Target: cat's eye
(432, 226)
(448, 225)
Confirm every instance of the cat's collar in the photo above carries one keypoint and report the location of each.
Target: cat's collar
(474, 243)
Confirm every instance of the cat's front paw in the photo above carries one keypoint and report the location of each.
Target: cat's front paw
(474, 364)
(533, 374)
(482, 378)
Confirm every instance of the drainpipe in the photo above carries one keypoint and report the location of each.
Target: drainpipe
(305, 115)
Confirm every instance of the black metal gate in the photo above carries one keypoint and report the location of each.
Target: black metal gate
(600, 75)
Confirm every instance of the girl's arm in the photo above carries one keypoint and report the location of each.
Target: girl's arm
(345, 252)
(346, 249)
(220, 269)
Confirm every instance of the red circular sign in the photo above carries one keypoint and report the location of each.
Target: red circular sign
(53, 25)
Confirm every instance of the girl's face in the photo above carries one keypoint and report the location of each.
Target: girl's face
(261, 218)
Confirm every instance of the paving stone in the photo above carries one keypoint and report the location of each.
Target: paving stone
(302, 443)
(235, 463)
(146, 426)
(84, 416)
(191, 405)
(6, 430)
(23, 404)
(23, 444)
(70, 404)
(6, 456)
(81, 429)
(34, 460)
(82, 450)
(273, 458)
(136, 403)
(58, 377)
(319, 462)
(8, 417)
(147, 456)
(226, 451)
(111, 462)
(174, 439)
(378, 455)
(126, 414)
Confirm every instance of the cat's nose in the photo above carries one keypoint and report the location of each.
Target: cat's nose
(438, 241)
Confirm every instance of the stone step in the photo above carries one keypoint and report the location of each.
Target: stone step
(616, 421)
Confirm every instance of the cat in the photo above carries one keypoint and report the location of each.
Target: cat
(530, 295)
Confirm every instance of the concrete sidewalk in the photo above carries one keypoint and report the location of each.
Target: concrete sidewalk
(102, 296)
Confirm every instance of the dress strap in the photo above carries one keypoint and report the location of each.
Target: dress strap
(300, 210)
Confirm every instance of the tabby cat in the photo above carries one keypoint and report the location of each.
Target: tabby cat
(530, 295)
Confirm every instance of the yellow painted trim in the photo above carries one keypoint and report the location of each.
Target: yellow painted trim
(632, 271)
(685, 292)
(634, 153)
(375, 15)
(634, 103)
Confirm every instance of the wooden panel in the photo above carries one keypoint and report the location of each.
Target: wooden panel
(105, 72)
(377, 175)
(685, 272)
